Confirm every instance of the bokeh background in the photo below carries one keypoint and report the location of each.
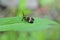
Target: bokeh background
(49, 9)
(40, 8)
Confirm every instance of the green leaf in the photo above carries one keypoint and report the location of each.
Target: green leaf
(16, 23)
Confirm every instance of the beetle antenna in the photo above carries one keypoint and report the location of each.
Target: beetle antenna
(23, 15)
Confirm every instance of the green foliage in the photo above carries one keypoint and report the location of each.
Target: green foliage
(45, 2)
(16, 23)
(21, 8)
(38, 30)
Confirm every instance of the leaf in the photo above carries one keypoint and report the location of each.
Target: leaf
(15, 23)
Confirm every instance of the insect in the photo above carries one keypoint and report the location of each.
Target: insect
(28, 19)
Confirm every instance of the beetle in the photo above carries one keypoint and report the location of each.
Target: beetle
(28, 19)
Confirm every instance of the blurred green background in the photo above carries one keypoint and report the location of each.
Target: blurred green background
(45, 27)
